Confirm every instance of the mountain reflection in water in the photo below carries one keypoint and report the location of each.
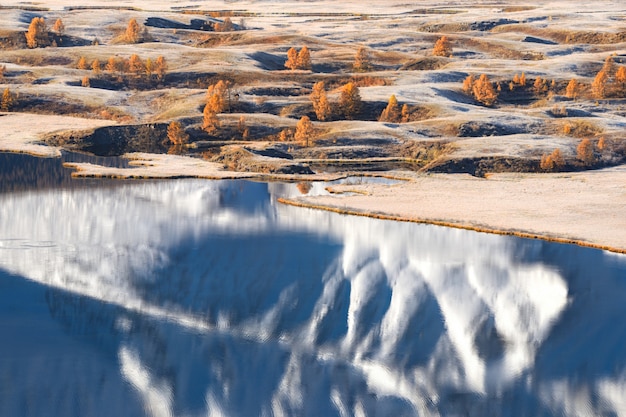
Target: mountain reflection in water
(193, 297)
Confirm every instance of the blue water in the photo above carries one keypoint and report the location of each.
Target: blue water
(193, 297)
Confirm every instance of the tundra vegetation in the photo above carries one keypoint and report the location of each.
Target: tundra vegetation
(417, 97)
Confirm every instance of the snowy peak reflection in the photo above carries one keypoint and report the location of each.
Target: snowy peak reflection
(354, 315)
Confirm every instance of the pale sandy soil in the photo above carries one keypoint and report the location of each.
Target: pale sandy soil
(585, 207)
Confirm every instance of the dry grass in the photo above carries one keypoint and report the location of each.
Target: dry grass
(566, 36)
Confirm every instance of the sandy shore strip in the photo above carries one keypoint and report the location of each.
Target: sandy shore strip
(586, 208)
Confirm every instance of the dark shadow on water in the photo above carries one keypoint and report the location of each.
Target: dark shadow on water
(21, 172)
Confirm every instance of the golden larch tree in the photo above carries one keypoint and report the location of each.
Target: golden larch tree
(111, 65)
(8, 100)
(468, 84)
(133, 31)
(58, 27)
(598, 87)
(443, 47)
(361, 60)
(96, 67)
(318, 97)
(304, 131)
(149, 68)
(217, 96)
(405, 113)
(176, 133)
(620, 79)
(210, 121)
(573, 89)
(483, 91)
(350, 100)
(391, 113)
(37, 34)
(292, 59)
(304, 59)
(82, 63)
(85, 82)
(136, 65)
(160, 67)
(584, 152)
(522, 80)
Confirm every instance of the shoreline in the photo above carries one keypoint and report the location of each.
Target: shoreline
(453, 224)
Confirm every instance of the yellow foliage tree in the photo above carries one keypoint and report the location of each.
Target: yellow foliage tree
(483, 91)
(304, 131)
(176, 133)
(553, 161)
(620, 79)
(468, 84)
(210, 121)
(58, 27)
(584, 152)
(82, 63)
(135, 64)
(304, 59)
(321, 106)
(292, 59)
(85, 82)
(8, 100)
(442, 47)
(405, 113)
(133, 32)
(111, 65)
(598, 87)
(350, 100)
(149, 68)
(96, 67)
(573, 89)
(160, 67)
(37, 34)
(522, 80)
(217, 96)
(391, 113)
(361, 60)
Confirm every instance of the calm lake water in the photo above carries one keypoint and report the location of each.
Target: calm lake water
(196, 298)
